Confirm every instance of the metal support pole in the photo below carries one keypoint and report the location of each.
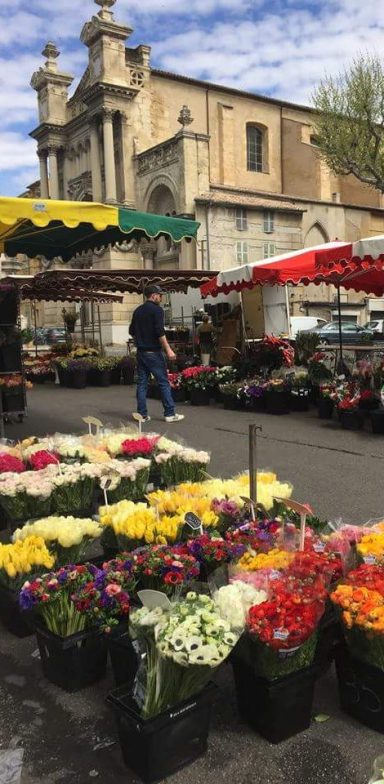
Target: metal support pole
(99, 323)
(35, 325)
(253, 462)
(93, 320)
(340, 330)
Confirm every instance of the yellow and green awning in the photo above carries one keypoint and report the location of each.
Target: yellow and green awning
(65, 228)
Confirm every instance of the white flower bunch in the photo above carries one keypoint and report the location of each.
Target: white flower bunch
(147, 619)
(195, 633)
(32, 483)
(233, 602)
(66, 531)
(166, 445)
(70, 446)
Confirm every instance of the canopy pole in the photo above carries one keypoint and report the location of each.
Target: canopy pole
(340, 330)
(35, 325)
(99, 323)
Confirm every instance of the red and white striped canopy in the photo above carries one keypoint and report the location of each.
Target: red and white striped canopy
(358, 266)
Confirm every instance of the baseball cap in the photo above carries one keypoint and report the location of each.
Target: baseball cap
(153, 289)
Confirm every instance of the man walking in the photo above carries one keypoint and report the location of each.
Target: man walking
(147, 330)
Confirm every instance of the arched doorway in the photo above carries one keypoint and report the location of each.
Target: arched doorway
(162, 202)
(322, 293)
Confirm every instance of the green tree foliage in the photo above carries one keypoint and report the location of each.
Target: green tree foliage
(350, 121)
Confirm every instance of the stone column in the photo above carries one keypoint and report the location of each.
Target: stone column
(95, 161)
(148, 252)
(109, 158)
(53, 173)
(44, 186)
(66, 175)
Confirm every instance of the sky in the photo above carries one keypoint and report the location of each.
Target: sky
(280, 48)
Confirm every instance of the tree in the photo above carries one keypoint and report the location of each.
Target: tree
(350, 121)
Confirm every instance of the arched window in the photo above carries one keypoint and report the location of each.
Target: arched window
(255, 152)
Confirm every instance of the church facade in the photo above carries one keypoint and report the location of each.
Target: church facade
(245, 166)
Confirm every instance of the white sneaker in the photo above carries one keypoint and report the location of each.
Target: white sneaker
(174, 418)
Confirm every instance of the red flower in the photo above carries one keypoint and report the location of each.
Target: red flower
(139, 446)
(173, 578)
(41, 459)
(8, 463)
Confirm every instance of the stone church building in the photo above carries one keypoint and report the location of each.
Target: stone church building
(245, 166)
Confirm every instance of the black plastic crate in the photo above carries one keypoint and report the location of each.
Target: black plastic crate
(12, 617)
(156, 748)
(73, 662)
(277, 709)
(361, 689)
(124, 656)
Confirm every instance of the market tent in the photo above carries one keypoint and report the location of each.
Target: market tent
(355, 266)
(25, 284)
(65, 228)
(47, 285)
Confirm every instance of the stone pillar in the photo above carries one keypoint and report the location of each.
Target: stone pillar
(148, 253)
(53, 173)
(66, 173)
(95, 161)
(44, 185)
(109, 158)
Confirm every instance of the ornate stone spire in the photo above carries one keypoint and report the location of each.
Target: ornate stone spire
(51, 52)
(185, 117)
(105, 12)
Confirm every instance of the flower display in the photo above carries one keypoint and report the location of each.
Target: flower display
(234, 601)
(10, 464)
(133, 525)
(186, 465)
(128, 480)
(164, 568)
(201, 377)
(66, 537)
(183, 647)
(24, 557)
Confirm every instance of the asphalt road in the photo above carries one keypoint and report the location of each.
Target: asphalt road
(70, 739)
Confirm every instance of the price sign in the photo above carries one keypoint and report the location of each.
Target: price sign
(152, 599)
(105, 483)
(139, 419)
(90, 420)
(303, 510)
(194, 522)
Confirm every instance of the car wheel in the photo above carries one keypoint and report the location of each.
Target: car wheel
(324, 342)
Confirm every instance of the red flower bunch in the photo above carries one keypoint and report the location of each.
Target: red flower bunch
(162, 567)
(210, 551)
(313, 569)
(105, 599)
(349, 403)
(197, 371)
(139, 447)
(287, 620)
(10, 463)
(174, 380)
(11, 380)
(42, 459)
(367, 576)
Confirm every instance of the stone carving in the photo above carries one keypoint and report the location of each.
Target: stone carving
(161, 156)
(51, 52)
(185, 117)
(80, 186)
(136, 77)
(105, 5)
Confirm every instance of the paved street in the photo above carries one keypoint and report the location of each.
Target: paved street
(69, 739)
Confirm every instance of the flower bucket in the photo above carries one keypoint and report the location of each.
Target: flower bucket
(178, 395)
(124, 658)
(115, 375)
(99, 378)
(299, 400)
(257, 404)
(361, 689)
(325, 407)
(277, 709)
(77, 379)
(277, 402)
(232, 403)
(128, 374)
(73, 662)
(199, 397)
(351, 420)
(158, 747)
(11, 615)
(328, 639)
(13, 399)
(377, 422)
(370, 404)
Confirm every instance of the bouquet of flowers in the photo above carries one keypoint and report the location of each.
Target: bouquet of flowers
(128, 526)
(185, 465)
(164, 568)
(42, 458)
(66, 537)
(139, 447)
(184, 647)
(74, 488)
(212, 552)
(26, 495)
(70, 449)
(283, 630)
(360, 600)
(234, 601)
(21, 558)
(11, 464)
(77, 597)
(128, 480)
(370, 549)
(254, 536)
(201, 377)
(174, 505)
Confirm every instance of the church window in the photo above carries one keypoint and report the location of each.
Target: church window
(255, 152)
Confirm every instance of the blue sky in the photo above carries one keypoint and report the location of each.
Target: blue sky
(274, 47)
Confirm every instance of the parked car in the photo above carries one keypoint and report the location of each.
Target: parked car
(305, 324)
(377, 327)
(57, 335)
(351, 333)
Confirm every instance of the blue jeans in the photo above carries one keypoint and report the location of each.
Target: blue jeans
(153, 362)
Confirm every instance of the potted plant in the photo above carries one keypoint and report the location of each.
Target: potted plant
(128, 365)
(326, 402)
(12, 389)
(232, 395)
(319, 372)
(73, 606)
(178, 390)
(369, 400)
(199, 381)
(277, 396)
(99, 374)
(176, 695)
(299, 392)
(254, 395)
(76, 371)
(17, 562)
(348, 410)
(70, 318)
(377, 421)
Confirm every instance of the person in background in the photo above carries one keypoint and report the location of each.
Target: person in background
(205, 333)
(147, 330)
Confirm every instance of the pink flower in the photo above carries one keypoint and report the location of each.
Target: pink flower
(113, 589)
